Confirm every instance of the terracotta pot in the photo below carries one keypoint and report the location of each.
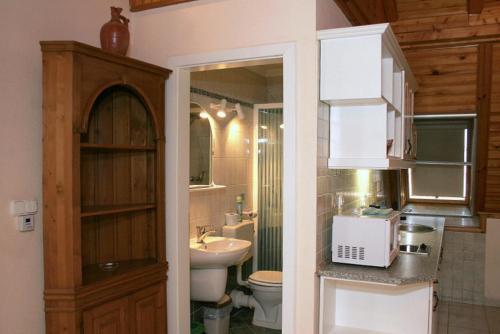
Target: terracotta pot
(115, 36)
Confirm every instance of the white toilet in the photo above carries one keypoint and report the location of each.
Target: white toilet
(266, 286)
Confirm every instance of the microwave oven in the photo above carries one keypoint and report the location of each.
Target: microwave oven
(366, 240)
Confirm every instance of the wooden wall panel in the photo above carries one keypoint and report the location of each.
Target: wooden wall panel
(422, 23)
(138, 5)
(447, 79)
(409, 9)
(492, 193)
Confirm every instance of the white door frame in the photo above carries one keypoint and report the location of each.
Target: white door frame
(177, 170)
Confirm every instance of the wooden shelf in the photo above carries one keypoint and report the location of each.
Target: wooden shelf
(92, 273)
(114, 147)
(101, 210)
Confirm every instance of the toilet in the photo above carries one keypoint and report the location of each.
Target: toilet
(266, 286)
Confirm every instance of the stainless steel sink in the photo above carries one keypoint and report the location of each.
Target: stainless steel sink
(416, 228)
(422, 249)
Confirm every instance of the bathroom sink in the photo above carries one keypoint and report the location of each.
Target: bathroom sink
(416, 228)
(217, 252)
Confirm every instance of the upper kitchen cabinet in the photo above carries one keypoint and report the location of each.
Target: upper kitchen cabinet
(370, 89)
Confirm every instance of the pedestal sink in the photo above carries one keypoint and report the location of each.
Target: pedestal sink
(209, 261)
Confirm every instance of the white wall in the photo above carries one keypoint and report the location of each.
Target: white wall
(201, 26)
(22, 25)
(492, 269)
(211, 25)
(329, 16)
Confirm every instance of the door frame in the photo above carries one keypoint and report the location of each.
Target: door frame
(177, 172)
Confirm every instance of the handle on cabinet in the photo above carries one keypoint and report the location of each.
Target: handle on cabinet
(410, 146)
(436, 301)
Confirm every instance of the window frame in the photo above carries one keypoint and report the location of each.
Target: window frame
(470, 173)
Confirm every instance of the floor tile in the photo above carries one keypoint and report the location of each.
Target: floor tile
(493, 317)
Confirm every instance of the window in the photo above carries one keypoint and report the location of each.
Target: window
(444, 160)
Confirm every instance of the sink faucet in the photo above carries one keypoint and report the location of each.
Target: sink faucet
(203, 231)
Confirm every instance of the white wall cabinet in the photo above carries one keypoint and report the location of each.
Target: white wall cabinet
(369, 86)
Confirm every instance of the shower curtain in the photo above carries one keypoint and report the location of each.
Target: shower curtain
(270, 186)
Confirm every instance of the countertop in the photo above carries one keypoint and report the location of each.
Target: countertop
(407, 268)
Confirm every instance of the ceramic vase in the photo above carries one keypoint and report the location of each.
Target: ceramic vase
(115, 36)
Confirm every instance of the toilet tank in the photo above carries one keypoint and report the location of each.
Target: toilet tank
(242, 231)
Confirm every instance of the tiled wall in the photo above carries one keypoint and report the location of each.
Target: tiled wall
(206, 207)
(461, 275)
(341, 191)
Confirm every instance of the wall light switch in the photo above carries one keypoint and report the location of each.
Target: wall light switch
(31, 206)
(26, 223)
(20, 208)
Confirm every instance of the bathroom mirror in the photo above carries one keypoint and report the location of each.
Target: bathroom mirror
(200, 152)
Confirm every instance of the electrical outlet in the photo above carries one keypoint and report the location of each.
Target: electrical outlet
(26, 223)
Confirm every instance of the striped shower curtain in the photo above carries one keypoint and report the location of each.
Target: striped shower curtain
(270, 186)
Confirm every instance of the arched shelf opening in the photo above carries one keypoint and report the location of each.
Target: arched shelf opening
(118, 177)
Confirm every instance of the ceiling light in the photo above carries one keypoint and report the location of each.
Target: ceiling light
(203, 115)
(221, 114)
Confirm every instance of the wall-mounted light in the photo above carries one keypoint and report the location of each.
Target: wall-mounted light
(222, 111)
(239, 111)
(203, 114)
(263, 127)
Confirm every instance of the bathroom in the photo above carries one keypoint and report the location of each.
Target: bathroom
(236, 133)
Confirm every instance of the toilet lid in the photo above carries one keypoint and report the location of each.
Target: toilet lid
(267, 277)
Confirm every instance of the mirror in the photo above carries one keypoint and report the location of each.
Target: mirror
(200, 152)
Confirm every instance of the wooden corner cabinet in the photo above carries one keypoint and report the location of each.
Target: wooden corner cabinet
(103, 192)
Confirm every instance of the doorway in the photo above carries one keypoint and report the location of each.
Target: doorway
(177, 178)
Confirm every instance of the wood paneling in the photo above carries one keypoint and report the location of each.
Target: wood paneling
(449, 23)
(492, 189)
(447, 79)
(361, 12)
(138, 5)
(109, 318)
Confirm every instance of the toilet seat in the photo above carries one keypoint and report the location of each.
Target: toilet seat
(267, 278)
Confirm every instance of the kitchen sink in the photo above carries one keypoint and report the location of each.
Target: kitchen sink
(421, 249)
(416, 228)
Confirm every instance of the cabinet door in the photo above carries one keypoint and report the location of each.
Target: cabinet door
(109, 318)
(148, 313)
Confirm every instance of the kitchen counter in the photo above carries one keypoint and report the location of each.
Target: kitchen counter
(407, 268)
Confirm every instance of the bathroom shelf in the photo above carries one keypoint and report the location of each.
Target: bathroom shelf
(102, 210)
(115, 147)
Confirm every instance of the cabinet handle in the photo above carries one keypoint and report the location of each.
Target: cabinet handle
(436, 301)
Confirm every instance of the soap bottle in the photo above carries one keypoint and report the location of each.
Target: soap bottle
(239, 206)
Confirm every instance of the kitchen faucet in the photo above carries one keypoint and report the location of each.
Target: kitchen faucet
(204, 231)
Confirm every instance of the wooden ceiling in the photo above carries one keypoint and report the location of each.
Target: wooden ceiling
(416, 21)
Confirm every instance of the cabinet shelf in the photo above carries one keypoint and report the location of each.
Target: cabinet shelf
(115, 147)
(102, 210)
(93, 273)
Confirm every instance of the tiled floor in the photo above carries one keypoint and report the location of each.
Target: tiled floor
(455, 318)
(241, 323)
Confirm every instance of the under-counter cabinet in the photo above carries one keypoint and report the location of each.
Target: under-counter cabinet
(394, 300)
(103, 188)
(369, 86)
